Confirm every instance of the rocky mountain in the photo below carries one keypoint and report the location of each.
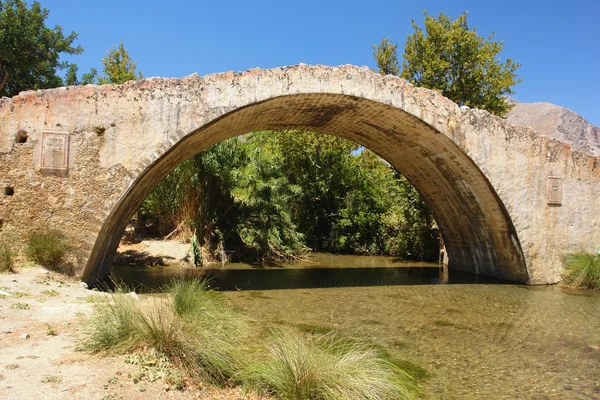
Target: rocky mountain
(558, 123)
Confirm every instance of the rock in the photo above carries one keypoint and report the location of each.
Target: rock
(3, 293)
(7, 330)
(83, 285)
(134, 296)
(558, 123)
(25, 336)
(45, 272)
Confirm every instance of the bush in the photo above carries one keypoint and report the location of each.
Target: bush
(47, 247)
(326, 367)
(582, 270)
(7, 257)
(193, 327)
(203, 336)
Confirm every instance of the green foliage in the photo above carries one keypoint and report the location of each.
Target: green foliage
(326, 367)
(270, 194)
(233, 198)
(89, 77)
(453, 59)
(47, 247)
(262, 193)
(322, 168)
(30, 51)
(118, 67)
(582, 270)
(387, 58)
(193, 327)
(195, 331)
(351, 201)
(71, 75)
(7, 256)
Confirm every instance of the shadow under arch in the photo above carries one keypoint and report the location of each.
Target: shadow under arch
(478, 232)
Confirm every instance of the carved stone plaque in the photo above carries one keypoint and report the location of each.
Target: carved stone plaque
(55, 152)
(555, 192)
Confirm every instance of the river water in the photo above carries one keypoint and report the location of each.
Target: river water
(472, 337)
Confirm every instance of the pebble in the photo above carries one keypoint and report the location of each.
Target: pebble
(7, 330)
(134, 295)
(3, 293)
(25, 336)
(83, 285)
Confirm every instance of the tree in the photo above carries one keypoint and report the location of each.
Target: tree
(387, 58)
(321, 166)
(454, 60)
(118, 67)
(29, 51)
(89, 77)
(71, 75)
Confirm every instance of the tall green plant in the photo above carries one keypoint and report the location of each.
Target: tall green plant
(263, 194)
(270, 194)
(29, 50)
(450, 57)
(47, 247)
(582, 270)
(119, 67)
(322, 167)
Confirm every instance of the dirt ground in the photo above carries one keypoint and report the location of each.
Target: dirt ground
(41, 320)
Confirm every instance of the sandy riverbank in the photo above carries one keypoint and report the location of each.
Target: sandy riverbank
(41, 319)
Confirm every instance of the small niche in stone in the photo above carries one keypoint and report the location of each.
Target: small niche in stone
(21, 137)
(9, 191)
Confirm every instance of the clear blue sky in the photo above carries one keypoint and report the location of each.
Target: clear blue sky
(557, 43)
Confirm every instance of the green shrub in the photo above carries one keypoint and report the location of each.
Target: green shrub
(582, 270)
(47, 247)
(325, 367)
(7, 257)
(206, 338)
(193, 327)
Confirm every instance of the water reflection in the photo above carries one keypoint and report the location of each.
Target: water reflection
(484, 341)
(321, 271)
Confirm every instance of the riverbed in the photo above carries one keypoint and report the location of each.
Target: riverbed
(471, 337)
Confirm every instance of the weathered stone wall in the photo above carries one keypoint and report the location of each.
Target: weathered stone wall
(485, 180)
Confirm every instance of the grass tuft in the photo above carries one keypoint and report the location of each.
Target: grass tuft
(582, 270)
(193, 327)
(197, 332)
(48, 248)
(7, 257)
(326, 367)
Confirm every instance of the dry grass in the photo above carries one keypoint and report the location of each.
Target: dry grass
(7, 257)
(48, 248)
(325, 367)
(210, 341)
(193, 327)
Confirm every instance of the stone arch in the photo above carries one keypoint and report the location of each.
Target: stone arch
(486, 181)
(480, 236)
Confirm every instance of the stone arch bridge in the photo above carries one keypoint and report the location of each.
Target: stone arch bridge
(508, 202)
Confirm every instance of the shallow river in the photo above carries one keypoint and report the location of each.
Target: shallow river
(475, 337)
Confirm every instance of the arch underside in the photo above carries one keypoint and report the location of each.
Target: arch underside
(478, 232)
